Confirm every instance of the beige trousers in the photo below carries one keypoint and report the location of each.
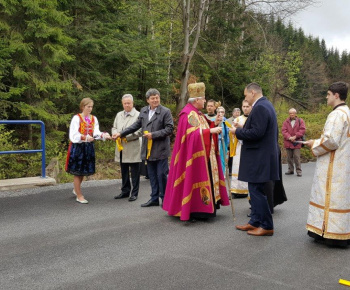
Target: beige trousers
(293, 157)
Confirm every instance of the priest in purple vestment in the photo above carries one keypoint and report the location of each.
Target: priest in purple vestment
(196, 184)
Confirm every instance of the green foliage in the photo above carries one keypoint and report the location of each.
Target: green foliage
(16, 165)
(292, 64)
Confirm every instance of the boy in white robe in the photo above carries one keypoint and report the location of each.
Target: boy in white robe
(329, 209)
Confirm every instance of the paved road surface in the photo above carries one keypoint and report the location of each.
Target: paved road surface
(49, 241)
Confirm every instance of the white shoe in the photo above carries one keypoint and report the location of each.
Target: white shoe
(74, 192)
(84, 201)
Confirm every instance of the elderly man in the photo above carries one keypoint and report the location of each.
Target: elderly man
(329, 209)
(130, 156)
(259, 158)
(235, 114)
(196, 184)
(157, 125)
(293, 130)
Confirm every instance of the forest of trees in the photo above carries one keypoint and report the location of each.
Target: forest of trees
(53, 53)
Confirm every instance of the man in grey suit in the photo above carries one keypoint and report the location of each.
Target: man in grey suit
(157, 126)
(259, 158)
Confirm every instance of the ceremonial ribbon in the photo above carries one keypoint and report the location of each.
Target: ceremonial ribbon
(118, 141)
(233, 140)
(344, 282)
(149, 145)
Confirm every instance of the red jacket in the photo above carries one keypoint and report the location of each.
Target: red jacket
(289, 131)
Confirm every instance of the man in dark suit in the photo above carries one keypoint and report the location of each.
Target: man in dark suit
(157, 126)
(259, 158)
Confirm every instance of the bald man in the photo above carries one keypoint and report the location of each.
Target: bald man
(293, 130)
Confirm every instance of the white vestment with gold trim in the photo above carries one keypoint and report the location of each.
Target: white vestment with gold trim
(237, 186)
(329, 209)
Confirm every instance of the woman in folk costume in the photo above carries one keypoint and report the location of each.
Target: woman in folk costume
(239, 189)
(329, 208)
(83, 130)
(223, 139)
(196, 184)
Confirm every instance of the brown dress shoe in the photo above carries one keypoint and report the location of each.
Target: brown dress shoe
(260, 232)
(246, 227)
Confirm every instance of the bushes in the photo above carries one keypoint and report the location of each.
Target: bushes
(314, 123)
(16, 165)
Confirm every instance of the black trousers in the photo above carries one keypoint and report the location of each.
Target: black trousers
(135, 177)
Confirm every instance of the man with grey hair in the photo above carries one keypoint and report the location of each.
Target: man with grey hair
(293, 130)
(128, 153)
(157, 126)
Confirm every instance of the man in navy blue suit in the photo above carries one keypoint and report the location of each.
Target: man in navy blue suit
(259, 158)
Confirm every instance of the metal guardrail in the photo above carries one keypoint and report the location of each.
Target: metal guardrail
(42, 150)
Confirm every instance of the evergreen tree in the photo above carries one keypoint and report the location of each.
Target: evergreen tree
(34, 47)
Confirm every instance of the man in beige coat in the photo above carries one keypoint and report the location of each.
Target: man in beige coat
(130, 155)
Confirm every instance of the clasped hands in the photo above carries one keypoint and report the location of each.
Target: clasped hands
(148, 135)
(234, 127)
(106, 136)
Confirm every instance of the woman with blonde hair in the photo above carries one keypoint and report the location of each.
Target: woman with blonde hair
(83, 130)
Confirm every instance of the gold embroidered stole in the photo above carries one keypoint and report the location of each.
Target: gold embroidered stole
(213, 161)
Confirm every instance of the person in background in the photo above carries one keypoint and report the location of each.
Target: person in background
(130, 155)
(83, 130)
(211, 109)
(223, 139)
(157, 125)
(235, 114)
(196, 185)
(239, 189)
(259, 158)
(329, 209)
(293, 130)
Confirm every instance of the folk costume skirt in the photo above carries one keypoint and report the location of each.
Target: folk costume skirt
(81, 159)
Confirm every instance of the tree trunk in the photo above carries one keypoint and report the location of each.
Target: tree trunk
(187, 54)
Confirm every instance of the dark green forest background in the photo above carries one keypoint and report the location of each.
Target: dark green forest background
(54, 53)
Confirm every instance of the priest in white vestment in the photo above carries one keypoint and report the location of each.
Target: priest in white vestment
(239, 189)
(329, 208)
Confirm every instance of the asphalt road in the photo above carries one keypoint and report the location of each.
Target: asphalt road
(49, 241)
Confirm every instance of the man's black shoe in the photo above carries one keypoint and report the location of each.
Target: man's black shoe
(150, 203)
(132, 198)
(289, 173)
(122, 195)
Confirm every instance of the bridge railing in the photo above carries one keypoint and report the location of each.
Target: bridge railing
(42, 150)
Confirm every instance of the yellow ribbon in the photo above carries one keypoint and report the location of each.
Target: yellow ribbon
(149, 145)
(233, 140)
(344, 282)
(118, 141)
